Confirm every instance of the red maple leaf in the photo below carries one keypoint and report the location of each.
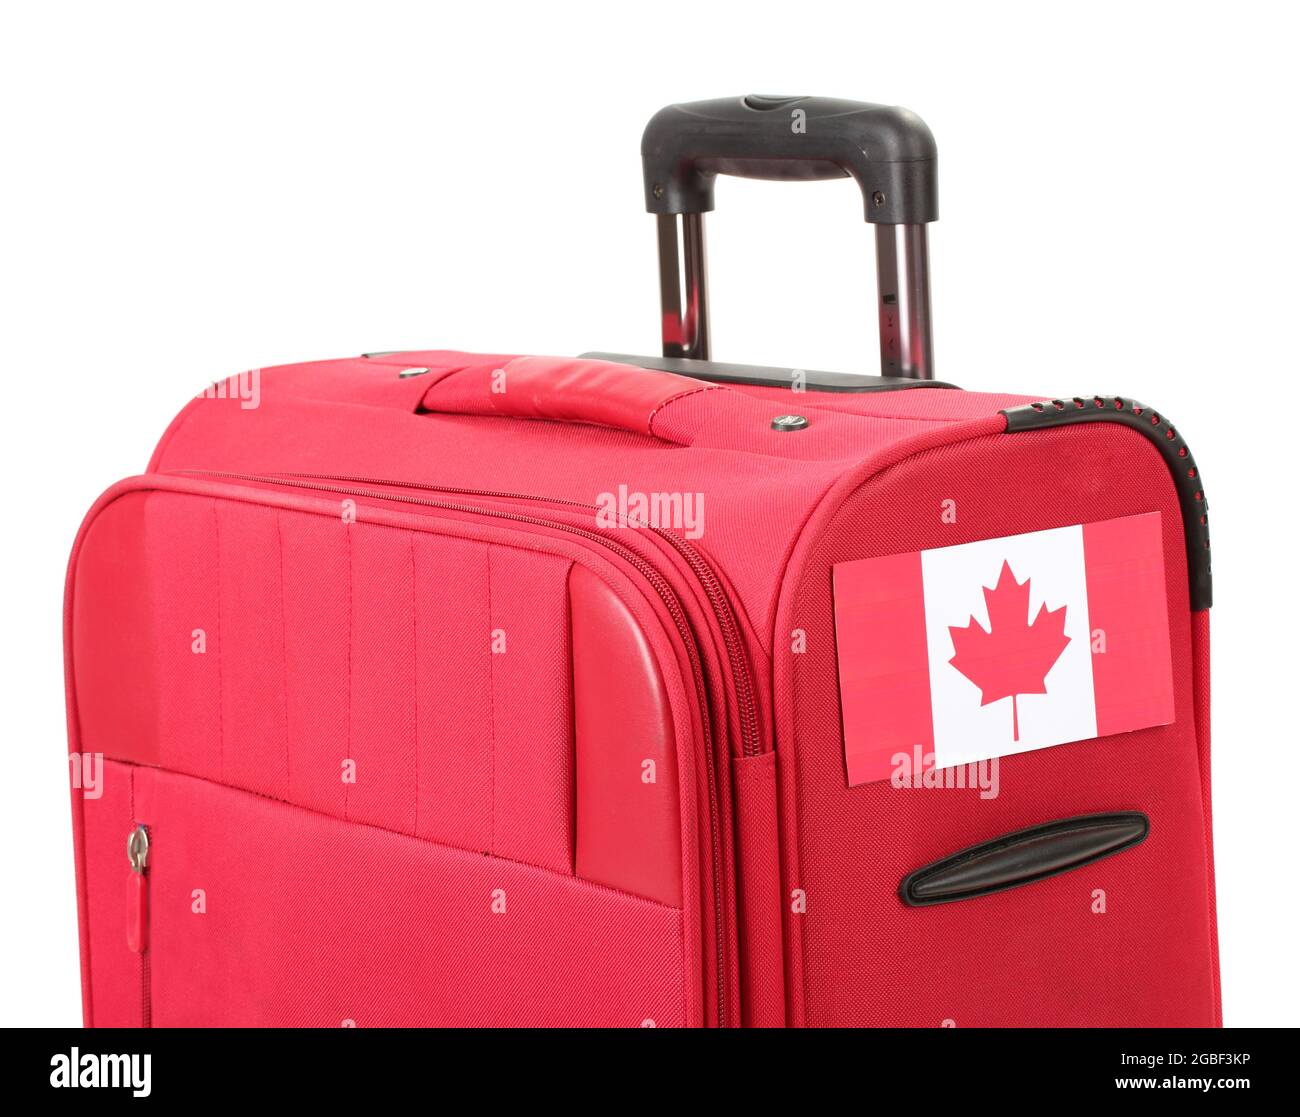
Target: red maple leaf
(1014, 656)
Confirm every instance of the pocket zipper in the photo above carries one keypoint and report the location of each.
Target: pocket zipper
(137, 928)
(751, 739)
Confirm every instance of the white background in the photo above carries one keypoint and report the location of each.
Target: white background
(188, 191)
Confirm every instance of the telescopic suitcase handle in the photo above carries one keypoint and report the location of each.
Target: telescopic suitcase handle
(889, 152)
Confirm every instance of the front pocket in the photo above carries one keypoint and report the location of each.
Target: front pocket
(408, 681)
(266, 914)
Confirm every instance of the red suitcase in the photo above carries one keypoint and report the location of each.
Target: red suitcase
(434, 688)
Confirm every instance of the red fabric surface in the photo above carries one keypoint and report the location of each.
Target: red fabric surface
(312, 921)
(1201, 683)
(862, 957)
(312, 630)
(366, 642)
(757, 484)
(372, 642)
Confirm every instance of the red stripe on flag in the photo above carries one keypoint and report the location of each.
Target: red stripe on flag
(883, 667)
(1132, 678)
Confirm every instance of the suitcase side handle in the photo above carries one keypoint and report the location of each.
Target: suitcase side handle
(1024, 857)
(888, 151)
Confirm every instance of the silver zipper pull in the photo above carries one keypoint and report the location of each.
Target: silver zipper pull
(137, 849)
(137, 926)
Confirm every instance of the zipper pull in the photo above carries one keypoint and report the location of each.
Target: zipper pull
(137, 853)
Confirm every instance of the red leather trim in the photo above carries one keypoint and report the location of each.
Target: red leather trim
(569, 390)
(628, 826)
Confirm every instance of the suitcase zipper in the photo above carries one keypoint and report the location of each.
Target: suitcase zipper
(137, 929)
(751, 740)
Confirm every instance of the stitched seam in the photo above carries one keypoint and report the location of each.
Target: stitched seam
(492, 714)
(347, 534)
(686, 968)
(221, 690)
(888, 417)
(650, 420)
(139, 957)
(284, 660)
(415, 684)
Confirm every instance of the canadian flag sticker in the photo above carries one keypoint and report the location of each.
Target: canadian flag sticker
(1003, 646)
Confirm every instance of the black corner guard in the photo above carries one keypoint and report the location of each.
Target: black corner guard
(1187, 478)
(1023, 857)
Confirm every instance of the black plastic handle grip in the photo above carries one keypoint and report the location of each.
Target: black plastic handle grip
(1024, 857)
(888, 151)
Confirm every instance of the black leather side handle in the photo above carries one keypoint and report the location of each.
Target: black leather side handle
(888, 151)
(1023, 857)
